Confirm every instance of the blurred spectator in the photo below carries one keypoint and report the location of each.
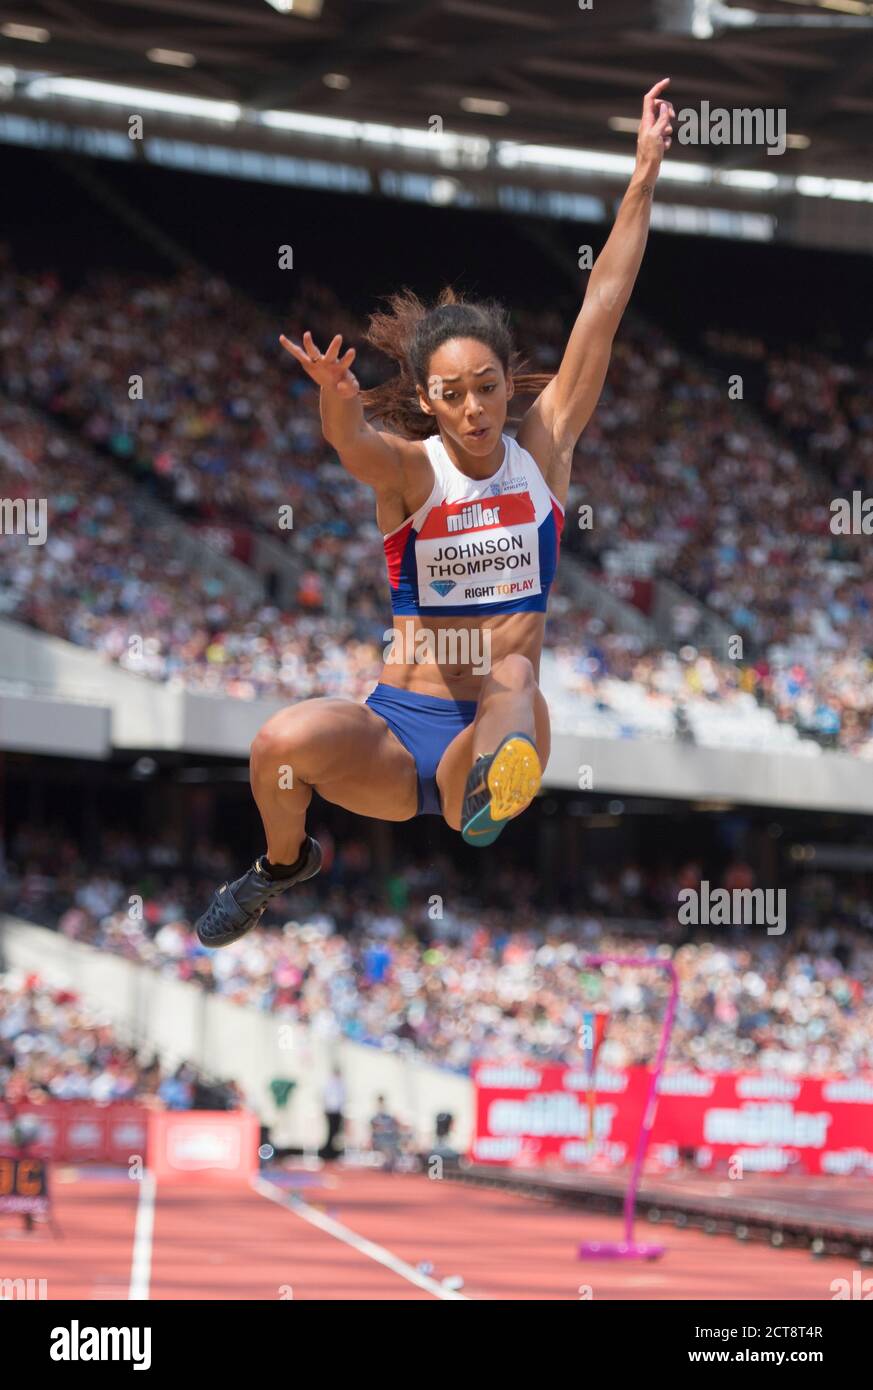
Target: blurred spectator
(177, 1091)
(502, 978)
(385, 1135)
(54, 1048)
(334, 1102)
(682, 482)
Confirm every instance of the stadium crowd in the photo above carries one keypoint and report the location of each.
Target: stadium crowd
(423, 962)
(686, 482)
(52, 1047)
(109, 576)
(183, 385)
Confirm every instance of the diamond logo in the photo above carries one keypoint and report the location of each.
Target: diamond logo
(443, 586)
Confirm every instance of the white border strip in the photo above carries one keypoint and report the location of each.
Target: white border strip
(141, 1262)
(298, 1207)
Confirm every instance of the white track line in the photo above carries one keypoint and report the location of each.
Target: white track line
(366, 1247)
(141, 1262)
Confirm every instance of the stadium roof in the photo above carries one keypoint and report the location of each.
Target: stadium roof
(560, 74)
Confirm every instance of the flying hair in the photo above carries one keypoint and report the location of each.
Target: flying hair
(410, 333)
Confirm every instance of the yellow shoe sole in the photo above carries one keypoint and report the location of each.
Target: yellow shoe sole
(514, 778)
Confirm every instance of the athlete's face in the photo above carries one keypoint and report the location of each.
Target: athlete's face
(467, 394)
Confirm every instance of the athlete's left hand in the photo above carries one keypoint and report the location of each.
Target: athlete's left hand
(656, 132)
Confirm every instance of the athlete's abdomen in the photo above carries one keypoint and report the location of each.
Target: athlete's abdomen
(450, 657)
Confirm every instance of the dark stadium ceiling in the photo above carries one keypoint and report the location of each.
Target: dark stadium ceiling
(559, 72)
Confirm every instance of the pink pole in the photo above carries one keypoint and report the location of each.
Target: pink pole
(627, 1248)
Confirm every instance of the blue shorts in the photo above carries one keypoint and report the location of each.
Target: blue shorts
(425, 725)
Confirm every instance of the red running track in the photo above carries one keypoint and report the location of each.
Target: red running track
(353, 1234)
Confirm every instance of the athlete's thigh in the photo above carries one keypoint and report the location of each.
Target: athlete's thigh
(350, 756)
(457, 760)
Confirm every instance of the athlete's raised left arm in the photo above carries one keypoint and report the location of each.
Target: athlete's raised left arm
(558, 416)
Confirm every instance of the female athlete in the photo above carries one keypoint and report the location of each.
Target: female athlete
(471, 519)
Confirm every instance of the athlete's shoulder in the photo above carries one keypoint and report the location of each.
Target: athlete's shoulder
(413, 451)
(418, 478)
(545, 465)
(527, 465)
(410, 456)
(519, 450)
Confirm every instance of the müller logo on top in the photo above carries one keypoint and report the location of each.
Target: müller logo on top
(451, 518)
(473, 517)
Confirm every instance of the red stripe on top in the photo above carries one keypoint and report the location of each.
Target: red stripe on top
(483, 514)
(558, 514)
(395, 545)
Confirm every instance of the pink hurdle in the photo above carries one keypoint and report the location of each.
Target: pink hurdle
(628, 1248)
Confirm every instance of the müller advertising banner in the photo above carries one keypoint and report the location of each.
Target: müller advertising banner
(529, 1115)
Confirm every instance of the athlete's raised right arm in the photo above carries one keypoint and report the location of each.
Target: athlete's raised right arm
(383, 461)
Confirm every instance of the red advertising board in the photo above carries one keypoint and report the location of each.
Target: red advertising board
(530, 1115)
(171, 1143)
(74, 1131)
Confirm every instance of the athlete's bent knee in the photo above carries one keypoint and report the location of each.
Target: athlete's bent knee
(514, 672)
(278, 741)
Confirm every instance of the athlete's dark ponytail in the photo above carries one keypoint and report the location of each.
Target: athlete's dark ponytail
(410, 334)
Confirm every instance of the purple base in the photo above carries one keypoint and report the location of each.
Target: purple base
(619, 1250)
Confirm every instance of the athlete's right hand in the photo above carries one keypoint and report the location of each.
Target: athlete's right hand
(327, 369)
